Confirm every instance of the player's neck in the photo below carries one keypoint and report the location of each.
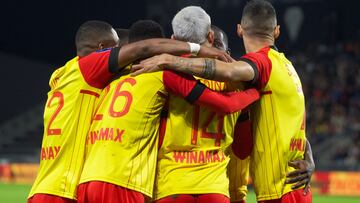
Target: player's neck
(85, 52)
(254, 44)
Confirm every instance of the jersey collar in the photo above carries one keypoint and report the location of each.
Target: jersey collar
(274, 47)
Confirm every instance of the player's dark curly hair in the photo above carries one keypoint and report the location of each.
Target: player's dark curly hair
(145, 29)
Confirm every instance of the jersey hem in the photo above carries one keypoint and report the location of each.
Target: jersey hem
(204, 191)
(121, 184)
(269, 197)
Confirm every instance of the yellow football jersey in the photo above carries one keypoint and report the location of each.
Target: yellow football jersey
(122, 141)
(193, 156)
(67, 118)
(278, 124)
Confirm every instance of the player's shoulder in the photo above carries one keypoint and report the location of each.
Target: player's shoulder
(70, 63)
(150, 76)
(96, 54)
(263, 52)
(257, 57)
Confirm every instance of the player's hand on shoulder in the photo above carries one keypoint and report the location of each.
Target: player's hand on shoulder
(152, 64)
(210, 52)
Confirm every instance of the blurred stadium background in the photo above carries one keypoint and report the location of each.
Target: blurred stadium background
(321, 37)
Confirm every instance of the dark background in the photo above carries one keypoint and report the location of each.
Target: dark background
(43, 31)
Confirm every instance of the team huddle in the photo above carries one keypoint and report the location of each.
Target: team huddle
(140, 118)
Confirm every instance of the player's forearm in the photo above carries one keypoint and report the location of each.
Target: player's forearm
(308, 156)
(192, 66)
(146, 48)
(211, 69)
(202, 67)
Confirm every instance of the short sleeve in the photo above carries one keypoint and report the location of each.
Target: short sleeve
(97, 67)
(261, 64)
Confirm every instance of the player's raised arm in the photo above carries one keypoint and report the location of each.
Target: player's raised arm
(208, 68)
(195, 92)
(146, 48)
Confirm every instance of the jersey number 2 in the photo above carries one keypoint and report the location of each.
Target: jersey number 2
(60, 97)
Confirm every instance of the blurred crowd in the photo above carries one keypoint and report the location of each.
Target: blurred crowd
(330, 75)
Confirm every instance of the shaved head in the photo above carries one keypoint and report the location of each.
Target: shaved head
(258, 18)
(220, 38)
(93, 33)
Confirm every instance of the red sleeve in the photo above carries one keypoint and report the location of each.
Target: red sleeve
(243, 140)
(96, 67)
(195, 92)
(178, 83)
(261, 65)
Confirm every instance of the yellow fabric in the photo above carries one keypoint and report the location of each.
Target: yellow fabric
(238, 173)
(279, 134)
(188, 162)
(122, 146)
(67, 118)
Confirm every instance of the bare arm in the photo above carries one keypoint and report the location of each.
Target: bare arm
(309, 155)
(212, 69)
(146, 48)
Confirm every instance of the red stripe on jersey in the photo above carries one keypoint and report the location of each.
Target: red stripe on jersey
(90, 93)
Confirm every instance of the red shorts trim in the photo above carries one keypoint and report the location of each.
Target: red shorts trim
(202, 198)
(102, 192)
(46, 198)
(295, 196)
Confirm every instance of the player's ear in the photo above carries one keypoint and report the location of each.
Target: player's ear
(277, 31)
(101, 46)
(210, 37)
(239, 30)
